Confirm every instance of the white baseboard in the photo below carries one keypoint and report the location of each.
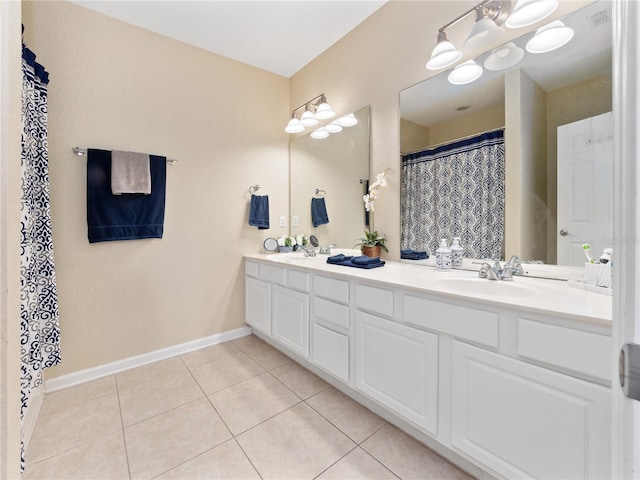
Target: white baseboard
(82, 376)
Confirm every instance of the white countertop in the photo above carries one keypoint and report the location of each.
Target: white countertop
(534, 295)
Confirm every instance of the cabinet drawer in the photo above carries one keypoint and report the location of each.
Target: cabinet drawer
(273, 274)
(251, 269)
(331, 312)
(298, 280)
(374, 299)
(583, 352)
(469, 323)
(331, 288)
(331, 351)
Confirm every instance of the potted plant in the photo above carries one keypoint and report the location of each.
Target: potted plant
(373, 243)
(286, 244)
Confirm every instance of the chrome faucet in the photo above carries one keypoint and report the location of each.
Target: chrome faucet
(307, 252)
(495, 271)
(515, 266)
(327, 250)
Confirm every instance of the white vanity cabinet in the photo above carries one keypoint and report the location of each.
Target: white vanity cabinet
(397, 366)
(501, 390)
(525, 421)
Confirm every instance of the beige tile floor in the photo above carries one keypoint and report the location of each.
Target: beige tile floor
(237, 410)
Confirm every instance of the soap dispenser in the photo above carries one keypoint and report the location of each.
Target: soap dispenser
(443, 256)
(456, 252)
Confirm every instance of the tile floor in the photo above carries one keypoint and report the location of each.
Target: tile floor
(237, 410)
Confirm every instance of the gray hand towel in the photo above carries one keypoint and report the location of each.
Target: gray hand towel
(130, 173)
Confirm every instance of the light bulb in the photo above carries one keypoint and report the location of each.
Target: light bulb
(294, 126)
(444, 54)
(308, 119)
(324, 110)
(528, 12)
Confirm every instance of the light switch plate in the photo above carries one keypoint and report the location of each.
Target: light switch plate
(283, 221)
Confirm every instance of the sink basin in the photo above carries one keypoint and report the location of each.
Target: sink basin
(491, 288)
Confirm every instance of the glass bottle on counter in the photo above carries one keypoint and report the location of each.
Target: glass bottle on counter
(456, 252)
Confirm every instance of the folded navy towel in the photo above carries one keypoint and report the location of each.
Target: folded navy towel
(413, 255)
(364, 260)
(318, 212)
(338, 258)
(123, 217)
(349, 263)
(259, 212)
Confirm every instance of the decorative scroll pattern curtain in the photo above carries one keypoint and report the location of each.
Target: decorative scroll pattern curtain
(456, 190)
(40, 332)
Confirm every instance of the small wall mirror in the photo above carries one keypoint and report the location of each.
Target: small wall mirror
(531, 100)
(334, 169)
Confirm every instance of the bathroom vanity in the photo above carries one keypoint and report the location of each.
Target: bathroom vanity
(506, 379)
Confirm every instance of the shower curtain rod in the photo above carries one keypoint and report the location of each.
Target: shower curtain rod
(429, 147)
(80, 152)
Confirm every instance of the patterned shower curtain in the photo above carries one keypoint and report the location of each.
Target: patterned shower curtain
(456, 190)
(40, 332)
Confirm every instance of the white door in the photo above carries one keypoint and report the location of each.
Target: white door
(626, 280)
(585, 171)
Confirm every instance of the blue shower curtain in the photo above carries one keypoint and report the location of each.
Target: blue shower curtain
(455, 190)
(40, 331)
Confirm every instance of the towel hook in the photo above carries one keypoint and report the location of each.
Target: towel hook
(318, 191)
(254, 188)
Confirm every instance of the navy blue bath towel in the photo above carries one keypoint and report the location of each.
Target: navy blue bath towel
(123, 217)
(259, 212)
(318, 212)
(357, 262)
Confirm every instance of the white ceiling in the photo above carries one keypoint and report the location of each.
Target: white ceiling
(280, 36)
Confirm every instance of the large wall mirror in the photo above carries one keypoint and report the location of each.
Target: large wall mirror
(552, 203)
(334, 169)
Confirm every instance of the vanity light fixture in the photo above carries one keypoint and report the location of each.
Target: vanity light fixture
(550, 37)
(503, 57)
(528, 12)
(487, 29)
(465, 73)
(315, 109)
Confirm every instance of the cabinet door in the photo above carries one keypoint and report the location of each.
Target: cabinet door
(331, 351)
(524, 421)
(290, 319)
(256, 304)
(397, 366)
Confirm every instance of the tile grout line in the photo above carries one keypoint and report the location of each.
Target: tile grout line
(124, 437)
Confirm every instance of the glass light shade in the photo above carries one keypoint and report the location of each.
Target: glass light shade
(294, 126)
(333, 127)
(308, 119)
(324, 111)
(484, 33)
(319, 133)
(503, 57)
(550, 37)
(348, 120)
(464, 73)
(528, 12)
(444, 55)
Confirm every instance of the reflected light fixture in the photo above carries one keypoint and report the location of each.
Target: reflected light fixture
(465, 73)
(550, 37)
(348, 120)
(319, 133)
(333, 127)
(528, 12)
(503, 57)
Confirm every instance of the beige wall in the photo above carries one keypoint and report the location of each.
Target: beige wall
(469, 124)
(413, 137)
(116, 86)
(10, 127)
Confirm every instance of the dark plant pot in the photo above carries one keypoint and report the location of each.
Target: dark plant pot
(372, 251)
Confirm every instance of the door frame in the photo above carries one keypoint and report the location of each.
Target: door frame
(625, 442)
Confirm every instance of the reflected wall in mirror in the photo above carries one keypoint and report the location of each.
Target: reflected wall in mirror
(337, 166)
(530, 100)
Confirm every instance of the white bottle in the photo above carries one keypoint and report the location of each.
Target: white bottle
(443, 256)
(456, 252)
